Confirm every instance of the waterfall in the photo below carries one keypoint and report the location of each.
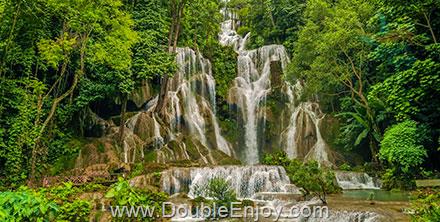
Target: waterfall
(157, 137)
(189, 110)
(355, 180)
(244, 180)
(250, 89)
(193, 88)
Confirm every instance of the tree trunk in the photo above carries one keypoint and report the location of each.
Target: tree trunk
(173, 36)
(76, 76)
(122, 119)
(373, 149)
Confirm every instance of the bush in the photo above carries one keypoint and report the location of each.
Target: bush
(123, 194)
(392, 179)
(402, 151)
(219, 190)
(279, 159)
(401, 146)
(427, 206)
(78, 210)
(26, 205)
(315, 180)
(345, 167)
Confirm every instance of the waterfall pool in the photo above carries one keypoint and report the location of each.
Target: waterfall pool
(378, 195)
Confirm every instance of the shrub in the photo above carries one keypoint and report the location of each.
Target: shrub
(219, 191)
(427, 206)
(279, 158)
(345, 167)
(78, 210)
(26, 205)
(123, 194)
(315, 180)
(401, 146)
(402, 151)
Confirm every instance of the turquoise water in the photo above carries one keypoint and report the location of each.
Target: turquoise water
(378, 195)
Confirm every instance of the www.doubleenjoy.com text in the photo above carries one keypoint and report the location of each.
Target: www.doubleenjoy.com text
(235, 210)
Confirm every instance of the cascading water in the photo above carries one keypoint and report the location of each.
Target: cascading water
(249, 92)
(190, 109)
(355, 180)
(195, 87)
(244, 180)
(250, 89)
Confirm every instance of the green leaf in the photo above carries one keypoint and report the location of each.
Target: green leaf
(361, 137)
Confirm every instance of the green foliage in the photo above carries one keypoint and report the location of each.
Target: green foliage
(219, 190)
(345, 167)
(426, 205)
(18, 109)
(393, 178)
(123, 194)
(313, 179)
(150, 55)
(26, 205)
(48, 49)
(269, 21)
(278, 158)
(78, 210)
(201, 25)
(59, 203)
(224, 68)
(401, 146)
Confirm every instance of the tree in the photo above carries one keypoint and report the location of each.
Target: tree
(58, 43)
(269, 21)
(331, 56)
(150, 54)
(406, 63)
(176, 13)
(314, 180)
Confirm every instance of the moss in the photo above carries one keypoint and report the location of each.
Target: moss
(101, 148)
(223, 159)
(191, 149)
(67, 161)
(150, 156)
(230, 129)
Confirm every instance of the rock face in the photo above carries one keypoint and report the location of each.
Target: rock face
(142, 94)
(106, 150)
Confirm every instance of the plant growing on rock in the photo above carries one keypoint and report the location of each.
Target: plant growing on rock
(217, 189)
